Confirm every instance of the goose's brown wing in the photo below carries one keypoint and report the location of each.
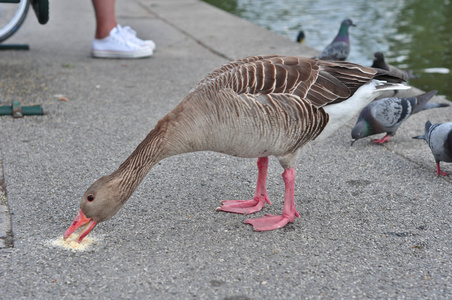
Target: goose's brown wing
(319, 82)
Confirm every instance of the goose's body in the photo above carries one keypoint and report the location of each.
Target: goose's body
(254, 107)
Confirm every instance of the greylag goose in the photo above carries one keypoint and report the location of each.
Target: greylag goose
(387, 114)
(439, 138)
(253, 107)
(339, 48)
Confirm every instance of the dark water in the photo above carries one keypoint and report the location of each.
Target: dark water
(413, 34)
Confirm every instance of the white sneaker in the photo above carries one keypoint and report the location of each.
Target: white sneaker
(119, 45)
(132, 36)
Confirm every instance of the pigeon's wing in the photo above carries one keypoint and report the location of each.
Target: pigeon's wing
(440, 141)
(448, 146)
(336, 51)
(392, 112)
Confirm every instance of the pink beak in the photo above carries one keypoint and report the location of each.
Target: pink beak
(79, 221)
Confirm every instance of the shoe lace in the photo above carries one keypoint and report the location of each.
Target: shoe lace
(122, 35)
(129, 30)
(128, 34)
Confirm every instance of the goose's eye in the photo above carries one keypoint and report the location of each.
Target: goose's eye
(90, 197)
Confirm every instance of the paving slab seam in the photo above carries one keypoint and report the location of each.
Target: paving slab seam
(6, 237)
(222, 55)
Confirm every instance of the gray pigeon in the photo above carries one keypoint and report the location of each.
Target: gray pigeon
(439, 137)
(380, 63)
(387, 114)
(340, 46)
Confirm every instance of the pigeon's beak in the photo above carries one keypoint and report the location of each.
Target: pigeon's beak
(353, 140)
(79, 221)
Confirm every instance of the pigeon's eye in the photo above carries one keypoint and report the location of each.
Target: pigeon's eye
(90, 197)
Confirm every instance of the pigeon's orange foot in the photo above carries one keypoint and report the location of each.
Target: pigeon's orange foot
(439, 172)
(383, 140)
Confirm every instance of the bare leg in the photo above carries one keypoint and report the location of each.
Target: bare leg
(439, 172)
(105, 17)
(385, 139)
(260, 195)
(270, 222)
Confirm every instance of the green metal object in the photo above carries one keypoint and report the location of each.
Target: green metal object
(41, 8)
(18, 111)
(14, 47)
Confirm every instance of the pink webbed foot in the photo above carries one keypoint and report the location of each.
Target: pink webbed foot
(383, 140)
(270, 222)
(244, 206)
(260, 195)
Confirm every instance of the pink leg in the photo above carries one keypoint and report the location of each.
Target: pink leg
(382, 140)
(270, 222)
(439, 172)
(260, 196)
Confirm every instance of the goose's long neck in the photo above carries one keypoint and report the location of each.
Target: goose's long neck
(169, 137)
(132, 171)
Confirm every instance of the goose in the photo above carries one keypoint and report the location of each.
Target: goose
(339, 48)
(254, 107)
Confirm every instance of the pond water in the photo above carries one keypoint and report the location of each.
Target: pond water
(412, 34)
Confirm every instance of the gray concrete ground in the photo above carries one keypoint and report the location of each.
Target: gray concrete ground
(375, 221)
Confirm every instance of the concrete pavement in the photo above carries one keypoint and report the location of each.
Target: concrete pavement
(375, 221)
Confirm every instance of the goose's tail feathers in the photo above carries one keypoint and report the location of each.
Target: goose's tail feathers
(389, 86)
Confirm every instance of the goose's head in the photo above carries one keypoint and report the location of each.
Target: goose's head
(101, 201)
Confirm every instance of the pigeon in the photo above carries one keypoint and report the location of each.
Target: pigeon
(380, 63)
(340, 46)
(301, 36)
(387, 114)
(439, 138)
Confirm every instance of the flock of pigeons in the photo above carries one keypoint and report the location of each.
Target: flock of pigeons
(387, 114)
